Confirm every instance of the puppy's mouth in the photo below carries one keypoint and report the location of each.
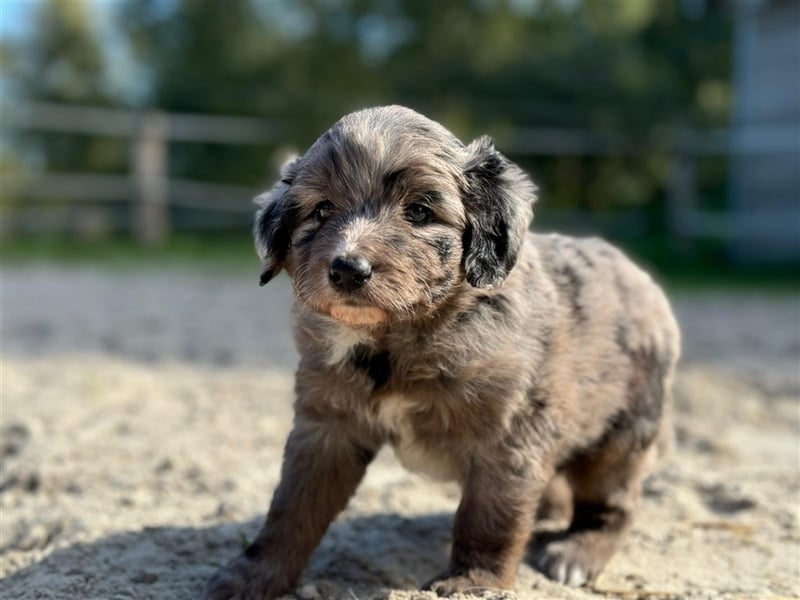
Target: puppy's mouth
(358, 315)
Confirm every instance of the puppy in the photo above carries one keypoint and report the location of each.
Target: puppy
(429, 318)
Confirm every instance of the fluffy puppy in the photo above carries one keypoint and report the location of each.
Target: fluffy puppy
(429, 318)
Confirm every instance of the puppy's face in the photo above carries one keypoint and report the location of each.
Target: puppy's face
(387, 215)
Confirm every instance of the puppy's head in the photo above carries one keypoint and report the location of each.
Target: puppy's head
(388, 214)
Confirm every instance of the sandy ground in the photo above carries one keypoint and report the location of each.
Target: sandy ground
(144, 412)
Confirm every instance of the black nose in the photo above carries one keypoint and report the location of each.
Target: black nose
(349, 273)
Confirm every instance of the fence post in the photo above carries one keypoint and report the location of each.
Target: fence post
(150, 171)
(681, 197)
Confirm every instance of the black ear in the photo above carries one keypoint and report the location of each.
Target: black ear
(274, 223)
(498, 199)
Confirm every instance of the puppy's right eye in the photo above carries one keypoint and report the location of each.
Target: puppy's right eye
(418, 214)
(323, 210)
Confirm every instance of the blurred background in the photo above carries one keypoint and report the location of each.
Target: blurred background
(143, 129)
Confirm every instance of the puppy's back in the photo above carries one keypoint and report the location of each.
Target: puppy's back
(619, 340)
(606, 293)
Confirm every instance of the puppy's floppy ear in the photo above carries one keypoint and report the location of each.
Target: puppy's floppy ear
(498, 199)
(274, 222)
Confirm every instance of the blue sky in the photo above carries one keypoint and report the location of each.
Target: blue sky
(14, 17)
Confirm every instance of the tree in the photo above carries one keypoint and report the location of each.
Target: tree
(62, 61)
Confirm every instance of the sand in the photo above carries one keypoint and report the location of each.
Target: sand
(144, 414)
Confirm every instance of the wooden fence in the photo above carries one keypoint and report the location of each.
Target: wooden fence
(152, 191)
(148, 185)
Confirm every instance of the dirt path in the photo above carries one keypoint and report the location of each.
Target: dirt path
(144, 413)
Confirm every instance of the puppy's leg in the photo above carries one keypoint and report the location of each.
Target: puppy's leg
(493, 522)
(321, 470)
(556, 502)
(606, 488)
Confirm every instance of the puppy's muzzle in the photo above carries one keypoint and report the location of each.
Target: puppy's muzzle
(348, 273)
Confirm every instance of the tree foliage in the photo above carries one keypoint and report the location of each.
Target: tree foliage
(63, 61)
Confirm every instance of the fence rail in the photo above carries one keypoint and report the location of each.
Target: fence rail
(180, 127)
(151, 191)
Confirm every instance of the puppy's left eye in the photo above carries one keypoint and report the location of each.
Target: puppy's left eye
(418, 214)
(323, 210)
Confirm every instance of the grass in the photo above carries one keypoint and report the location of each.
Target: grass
(704, 266)
(225, 250)
(707, 265)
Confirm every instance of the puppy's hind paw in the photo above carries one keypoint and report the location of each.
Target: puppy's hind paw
(570, 561)
(562, 570)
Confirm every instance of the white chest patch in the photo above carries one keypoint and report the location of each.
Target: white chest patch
(394, 417)
(342, 341)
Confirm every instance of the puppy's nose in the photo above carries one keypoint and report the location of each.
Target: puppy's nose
(349, 273)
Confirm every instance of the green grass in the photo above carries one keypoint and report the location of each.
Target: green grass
(707, 265)
(226, 250)
(693, 276)
(702, 266)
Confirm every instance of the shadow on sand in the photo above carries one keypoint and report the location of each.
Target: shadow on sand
(361, 557)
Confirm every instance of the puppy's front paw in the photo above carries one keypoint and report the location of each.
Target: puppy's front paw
(246, 579)
(466, 581)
